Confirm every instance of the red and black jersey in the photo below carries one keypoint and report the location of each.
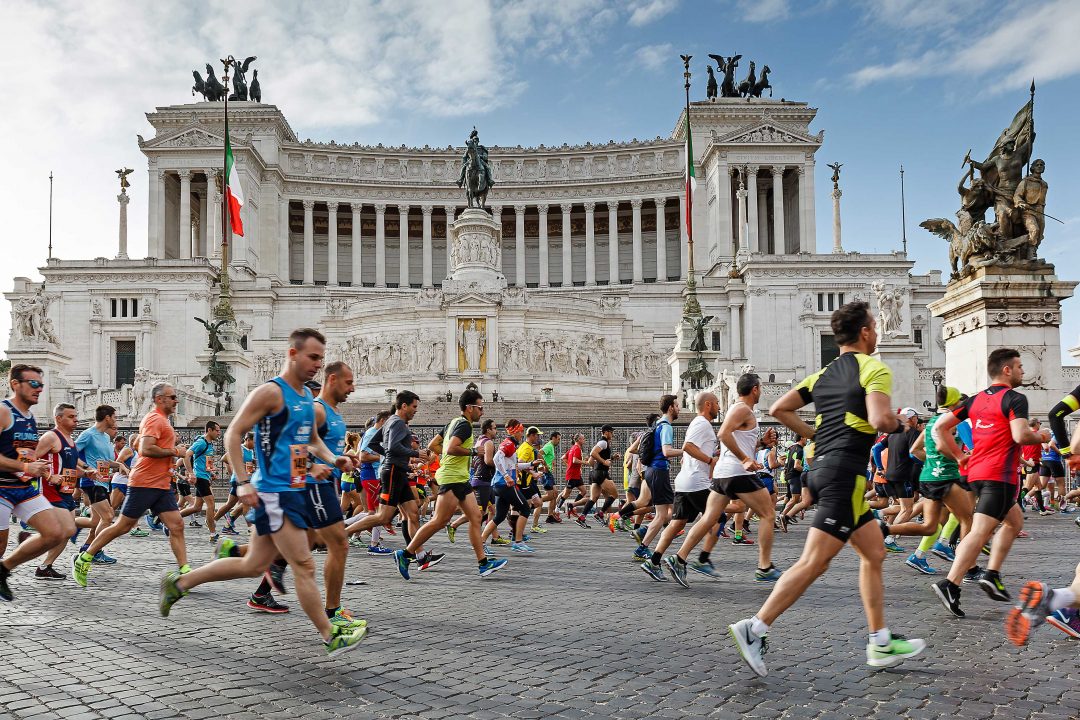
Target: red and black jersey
(995, 455)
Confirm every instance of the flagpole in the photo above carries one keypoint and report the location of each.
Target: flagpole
(50, 214)
(1027, 165)
(690, 305)
(223, 310)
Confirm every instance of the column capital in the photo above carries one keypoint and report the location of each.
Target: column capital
(184, 174)
(778, 170)
(403, 209)
(356, 207)
(427, 210)
(566, 208)
(160, 174)
(380, 208)
(520, 209)
(449, 210)
(660, 202)
(496, 210)
(332, 208)
(801, 169)
(590, 207)
(542, 209)
(309, 205)
(752, 169)
(613, 207)
(636, 203)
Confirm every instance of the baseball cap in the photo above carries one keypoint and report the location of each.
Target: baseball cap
(908, 413)
(533, 429)
(952, 396)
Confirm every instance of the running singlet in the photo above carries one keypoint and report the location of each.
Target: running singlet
(994, 455)
(1068, 405)
(728, 464)
(249, 461)
(839, 392)
(938, 467)
(64, 464)
(573, 469)
(455, 468)
(95, 447)
(526, 454)
(505, 463)
(369, 470)
(17, 441)
(281, 442)
(332, 433)
(1050, 454)
(201, 449)
(662, 435)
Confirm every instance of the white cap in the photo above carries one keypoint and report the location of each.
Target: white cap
(908, 413)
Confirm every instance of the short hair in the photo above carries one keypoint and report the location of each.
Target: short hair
(487, 424)
(746, 383)
(158, 389)
(555, 434)
(335, 368)
(666, 401)
(249, 436)
(405, 397)
(211, 425)
(469, 397)
(61, 408)
(299, 336)
(1032, 422)
(382, 415)
(16, 371)
(651, 418)
(512, 422)
(999, 359)
(607, 428)
(849, 320)
(103, 411)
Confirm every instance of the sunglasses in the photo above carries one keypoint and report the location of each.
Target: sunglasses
(36, 384)
(479, 407)
(169, 397)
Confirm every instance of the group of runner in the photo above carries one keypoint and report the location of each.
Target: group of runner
(295, 469)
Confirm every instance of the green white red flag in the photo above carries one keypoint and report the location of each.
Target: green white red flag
(234, 193)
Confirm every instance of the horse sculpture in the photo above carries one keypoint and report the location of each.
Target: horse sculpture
(476, 187)
(746, 87)
(727, 87)
(762, 83)
(213, 90)
(710, 88)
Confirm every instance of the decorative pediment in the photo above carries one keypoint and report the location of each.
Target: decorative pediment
(767, 133)
(473, 297)
(193, 136)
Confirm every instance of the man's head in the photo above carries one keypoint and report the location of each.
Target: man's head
(471, 403)
(65, 416)
(749, 388)
(949, 398)
(854, 327)
(1038, 166)
(708, 406)
(381, 416)
(406, 404)
(1034, 423)
(910, 416)
(163, 396)
(1008, 146)
(607, 431)
(801, 441)
(213, 431)
(306, 348)
(651, 418)
(26, 383)
(669, 405)
(119, 441)
(515, 429)
(532, 435)
(555, 437)
(489, 428)
(1004, 367)
(249, 440)
(339, 382)
(579, 440)
(105, 417)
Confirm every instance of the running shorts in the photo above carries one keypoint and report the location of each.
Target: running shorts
(768, 482)
(483, 495)
(394, 485)
(122, 487)
(530, 492)
(184, 488)
(202, 487)
(269, 515)
(323, 504)
(25, 503)
(689, 505)
(371, 494)
(575, 483)
(347, 487)
(1051, 468)
(838, 485)
(994, 498)
(900, 489)
(659, 482)
(599, 474)
(460, 490)
(937, 490)
(547, 481)
(794, 484)
(732, 487)
(140, 499)
(66, 502)
(96, 494)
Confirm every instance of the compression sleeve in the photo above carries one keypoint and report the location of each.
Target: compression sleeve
(876, 452)
(1068, 405)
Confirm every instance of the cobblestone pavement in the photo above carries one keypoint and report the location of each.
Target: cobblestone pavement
(575, 631)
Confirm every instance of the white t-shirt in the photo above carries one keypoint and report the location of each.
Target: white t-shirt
(694, 474)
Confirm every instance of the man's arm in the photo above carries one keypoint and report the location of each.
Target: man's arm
(918, 448)
(668, 433)
(695, 452)
(880, 414)
(785, 410)
(266, 400)
(47, 443)
(1023, 434)
(943, 436)
(736, 417)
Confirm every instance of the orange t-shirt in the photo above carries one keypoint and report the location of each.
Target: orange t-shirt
(154, 472)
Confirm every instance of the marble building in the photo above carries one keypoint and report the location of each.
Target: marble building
(586, 274)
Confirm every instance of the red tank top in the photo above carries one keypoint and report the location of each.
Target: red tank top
(994, 456)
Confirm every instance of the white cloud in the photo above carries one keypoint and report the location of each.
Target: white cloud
(643, 12)
(764, 10)
(653, 57)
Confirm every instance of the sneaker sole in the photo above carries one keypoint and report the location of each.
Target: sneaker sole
(742, 652)
(893, 660)
(657, 579)
(993, 592)
(342, 650)
(1018, 625)
(269, 611)
(924, 571)
(943, 556)
(945, 601)
(675, 576)
(49, 579)
(1062, 627)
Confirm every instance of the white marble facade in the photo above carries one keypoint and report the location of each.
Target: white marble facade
(587, 280)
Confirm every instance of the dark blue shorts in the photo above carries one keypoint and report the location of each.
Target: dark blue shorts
(323, 504)
(140, 499)
(66, 502)
(768, 482)
(347, 486)
(547, 481)
(269, 516)
(123, 488)
(232, 488)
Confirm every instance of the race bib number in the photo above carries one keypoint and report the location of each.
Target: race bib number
(68, 479)
(250, 467)
(103, 470)
(210, 467)
(298, 476)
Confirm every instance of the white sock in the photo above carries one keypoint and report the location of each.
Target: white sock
(758, 627)
(1063, 598)
(421, 555)
(881, 637)
(376, 534)
(889, 539)
(920, 554)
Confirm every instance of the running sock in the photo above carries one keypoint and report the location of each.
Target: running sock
(927, 543)
(85, 555)
(607, 504)
(588, 507)
(411, 556)
(627, 510)
(656, 557)
(331, 612)
(680, 561)
(881, 637)
(263, 590)
(1063, 598)
(703, 557)
(758, 627)
(376, 534)
(1039, 501)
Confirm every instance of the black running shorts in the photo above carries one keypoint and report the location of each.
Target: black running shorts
(1051, 469)
(994, 498)
(202, 487)
(659, 482)
(394, 485)
(689, 505)
(460, 490)
(838, 485)
(736, 485)
(937, 490)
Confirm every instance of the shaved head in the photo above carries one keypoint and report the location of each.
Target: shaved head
(703, 398)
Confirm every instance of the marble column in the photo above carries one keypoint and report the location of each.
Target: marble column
(332, 245)
(519, 245)
(590, 243)
(740, 198)
(567, 259)
(213, 230)
(284, 253)
(752, 208)
(201, 240)
(736, 331)
(504, 257)
(123, 199)
(763, 218)
(542, 210)
(808, 241)
(380, 245)
(309, 242)
(449, 210)
(779, 241)
(184, 231)
(837, 247)
(723, 197)
(613, 242)
(162, 219)
(661, 240)
(357, 251)
(635, 204)
(155, 245)
(427, 210)
(403, 246)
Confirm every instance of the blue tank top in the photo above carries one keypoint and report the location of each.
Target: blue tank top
(131, 459)
(65, 462)
(249, 457)
(332, 433)
(1049, 454)
(281, 442)
(22, 435)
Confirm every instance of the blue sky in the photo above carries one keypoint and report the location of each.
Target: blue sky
(896, 81)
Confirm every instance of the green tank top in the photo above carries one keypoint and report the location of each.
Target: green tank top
(938, 467)
(454, 468)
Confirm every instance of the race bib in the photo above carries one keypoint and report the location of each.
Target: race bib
(298, 476)
(210, 467)
(250, 467)
(68, 479)
(103, 470)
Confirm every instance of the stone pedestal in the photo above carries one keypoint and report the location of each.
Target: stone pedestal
(475, 254)
(899, 354)
(681, 357)
(1004, 307)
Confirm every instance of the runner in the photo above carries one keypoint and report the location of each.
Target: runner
(547, 482)
(1030, 459)
(851, 399)
(199, 462)
(370, 466)
(352, 501)
(1052, 477)
(481, 473)
(248, 450)
(654, 449)
(455, 492)
(639, 499)
(283, 415)
(148, 486)
(798, 494)
(19, 492)
(574, 462)
(505, 486)
(95, 449)
(529, 478)
(900, 477)
(118, 487)
(999, 417)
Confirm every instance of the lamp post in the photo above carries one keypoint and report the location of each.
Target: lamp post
(938, 379)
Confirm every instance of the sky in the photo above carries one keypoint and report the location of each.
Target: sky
(912, 82)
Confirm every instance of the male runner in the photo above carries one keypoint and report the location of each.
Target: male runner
(370, 464)
(248, 450)
(454, 489)
(899, 478)
(574, 461)
(199, 462)
(505, 486)
(148, 487)
(1030, 460)
(798, 494)
(283, 414)
(19, 491)
(657, 474)
(1052, 477)
(547, 482)
(851, 397)
(999, 417)
(481, 473)
(94, 445)
(529, 478)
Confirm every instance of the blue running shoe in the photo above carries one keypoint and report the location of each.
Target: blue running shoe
(102, 559)
(943, 551)
(653, 571)
(639, 534)
(642, 553)
(521, 547)
(379, 550)
(402, 563)
(772, 574)
(705, 568)
(75, 538)
(894, 547)
(920, 564)
(490, 565)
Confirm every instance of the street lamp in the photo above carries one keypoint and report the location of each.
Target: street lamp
(938, 379)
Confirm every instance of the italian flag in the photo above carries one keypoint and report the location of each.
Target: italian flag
(234, 194)
(691, 179)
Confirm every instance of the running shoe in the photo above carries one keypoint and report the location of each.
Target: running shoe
(390, 529)
(226, 547)
(79, 568)
(355, 541)
(898, 650)
(1034, 606)
(402, 563)
(379, 550)
(893, 547)
(539, 530)
(599, 517)
(639, 534)
(705, 568)
(642, 553)
(229, 530)
(48, 573)
(580, 520)
(792, 521)
(676, 569)
(343, 618)
(344, 639)
(139, 532)
(168, 592)
(1022, 534)
(521, 547)
(1067, 621)
(102, 559)
(275, 575)
(751, 647)
(74, 539)
(973, 575)
(194, 523)
(769, 575)
(920, 564)
(1077, 521)
(723, 533)
(217, 536)
(451, 532)
(431, 560)
(943, 551)
(653, 570)
(526, 537)
(152, 522)
(949, 595)
(501, 541)
(5, 590)
(991, 583)
(165, 529)
(490, 565)
(613, 522)
(267, 604)
(741, 540)
(1066, 510)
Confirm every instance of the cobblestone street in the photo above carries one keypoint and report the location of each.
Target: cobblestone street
(574, 631)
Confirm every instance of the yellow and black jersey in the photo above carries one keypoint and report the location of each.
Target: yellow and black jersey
(839, 392)
(1068, 405)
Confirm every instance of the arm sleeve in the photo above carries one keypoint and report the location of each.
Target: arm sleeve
(876, 452)
(1068, 405)
(877, 377)
(400, 443)
(462, 431)
(806, 387)
(964, 411)
(80, 445)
